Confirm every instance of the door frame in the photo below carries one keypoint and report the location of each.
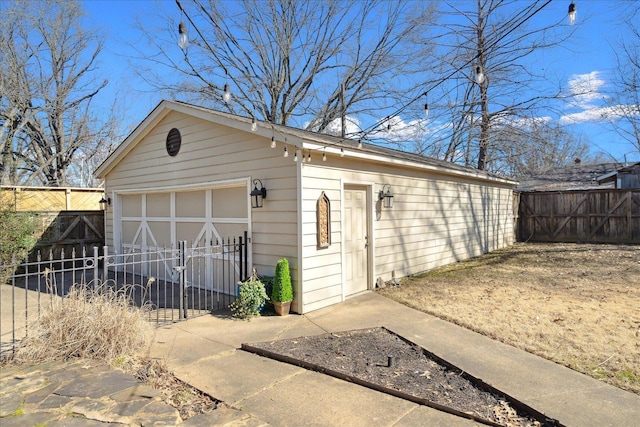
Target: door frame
(368, 187)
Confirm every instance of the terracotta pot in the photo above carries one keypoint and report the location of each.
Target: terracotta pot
(282, 308)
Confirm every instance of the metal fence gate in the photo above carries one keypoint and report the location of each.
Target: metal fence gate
(172, 284)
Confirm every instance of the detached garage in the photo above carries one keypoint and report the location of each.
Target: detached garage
(345, 215)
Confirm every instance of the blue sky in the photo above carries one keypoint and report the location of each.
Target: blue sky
(588, 62)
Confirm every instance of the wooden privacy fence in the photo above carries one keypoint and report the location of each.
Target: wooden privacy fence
(66, 231)
(31, 199)
(593, 216)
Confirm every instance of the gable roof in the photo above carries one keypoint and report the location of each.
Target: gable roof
(295, 137)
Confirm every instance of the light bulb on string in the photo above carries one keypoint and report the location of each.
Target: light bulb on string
(254, 124)
(324, 156)
(480, 77)
(309, 157)
(273, 143)
(342, 152)
(227, 93)
(359, 143)
(295, 156)
(183, 37)
(388, 125)
(286, 152)
(426, 106)
(572, 13)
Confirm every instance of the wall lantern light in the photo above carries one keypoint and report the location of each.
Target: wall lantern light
(386, 197)
(257, 194)
(104, 202)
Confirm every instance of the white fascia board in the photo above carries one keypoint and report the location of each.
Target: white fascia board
(407, 163)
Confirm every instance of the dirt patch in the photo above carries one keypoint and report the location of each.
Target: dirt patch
(188, 400)
(385, 359)
(575, 304)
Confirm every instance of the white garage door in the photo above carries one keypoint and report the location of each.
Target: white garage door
(203, 218)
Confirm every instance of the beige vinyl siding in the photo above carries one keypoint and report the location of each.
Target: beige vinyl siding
(212, 153)
(322, 274)
(436, 219)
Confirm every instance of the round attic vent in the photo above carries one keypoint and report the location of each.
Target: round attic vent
(174, 140)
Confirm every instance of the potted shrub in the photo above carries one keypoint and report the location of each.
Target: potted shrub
(251, 298)
(282, 291)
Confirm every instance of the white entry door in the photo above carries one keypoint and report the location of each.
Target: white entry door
(355, 240)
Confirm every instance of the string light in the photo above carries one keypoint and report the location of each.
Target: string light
(227, 93)
(572, 13)
(516, 24)
(426, 105)
(295, 156)
(480, 77)
(183, 37)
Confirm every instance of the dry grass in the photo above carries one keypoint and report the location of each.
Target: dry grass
(100, 324)
(578, 305)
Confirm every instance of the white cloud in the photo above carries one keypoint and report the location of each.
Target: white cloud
(586, 89)
(335, 127)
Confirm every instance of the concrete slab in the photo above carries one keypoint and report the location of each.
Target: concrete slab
(314, 399)
(423, 415)
(234, 377)
(366, 310)
(180, 348)
(598, 406)
(224, 416)
(234, 332)
(258, 386)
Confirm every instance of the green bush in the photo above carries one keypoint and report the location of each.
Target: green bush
(282, 290)
(251, 298)
(16, 236)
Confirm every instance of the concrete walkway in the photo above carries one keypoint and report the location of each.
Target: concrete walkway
(204, 352)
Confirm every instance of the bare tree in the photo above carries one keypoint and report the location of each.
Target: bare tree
(625, 99)
(303, 63)
(487, 52)
(47, 86)
(543, 147)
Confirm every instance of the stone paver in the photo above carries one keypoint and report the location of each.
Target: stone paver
(79, 394)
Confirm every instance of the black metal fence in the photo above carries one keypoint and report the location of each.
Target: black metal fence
(172, 284)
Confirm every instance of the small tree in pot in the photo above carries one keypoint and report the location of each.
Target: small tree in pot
(282, 291)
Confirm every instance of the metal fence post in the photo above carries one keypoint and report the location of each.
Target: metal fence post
(105, 269)
(181, 272)
(246, 256)
(96, 268)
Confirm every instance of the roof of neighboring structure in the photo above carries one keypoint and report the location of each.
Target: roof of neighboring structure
(295, 137)
(580, 176)
(611, 176)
